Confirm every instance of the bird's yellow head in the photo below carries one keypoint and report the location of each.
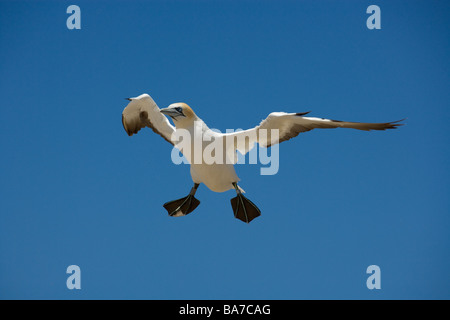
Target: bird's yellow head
(181, 113)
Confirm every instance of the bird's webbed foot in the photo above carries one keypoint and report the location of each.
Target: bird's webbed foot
(243, 208)
(183, 206)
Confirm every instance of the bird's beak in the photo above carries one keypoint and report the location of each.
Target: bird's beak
(171, 112)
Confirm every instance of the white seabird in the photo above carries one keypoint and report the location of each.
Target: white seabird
(221, 176)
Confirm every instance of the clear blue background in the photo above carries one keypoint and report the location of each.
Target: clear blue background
(75, 189)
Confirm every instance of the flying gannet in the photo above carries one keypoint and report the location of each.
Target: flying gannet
(221, 176)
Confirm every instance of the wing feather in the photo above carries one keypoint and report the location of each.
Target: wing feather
(290, 125)
(143, 112)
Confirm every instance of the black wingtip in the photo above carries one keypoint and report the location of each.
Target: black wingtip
(302, 113)
(129, 99)
(395, 124)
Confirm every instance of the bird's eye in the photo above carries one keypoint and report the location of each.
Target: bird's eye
(179, 109)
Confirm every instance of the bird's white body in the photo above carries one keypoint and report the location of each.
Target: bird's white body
(218, 175)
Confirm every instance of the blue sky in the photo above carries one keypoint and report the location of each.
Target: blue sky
(76, 190)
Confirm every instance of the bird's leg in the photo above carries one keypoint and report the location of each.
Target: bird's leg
(243, 208)
(183, 206)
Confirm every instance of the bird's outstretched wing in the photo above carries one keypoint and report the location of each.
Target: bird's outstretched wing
(142, 112)
(290, 125)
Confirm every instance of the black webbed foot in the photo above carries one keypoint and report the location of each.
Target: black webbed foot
(183, 206)
(243, 208)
